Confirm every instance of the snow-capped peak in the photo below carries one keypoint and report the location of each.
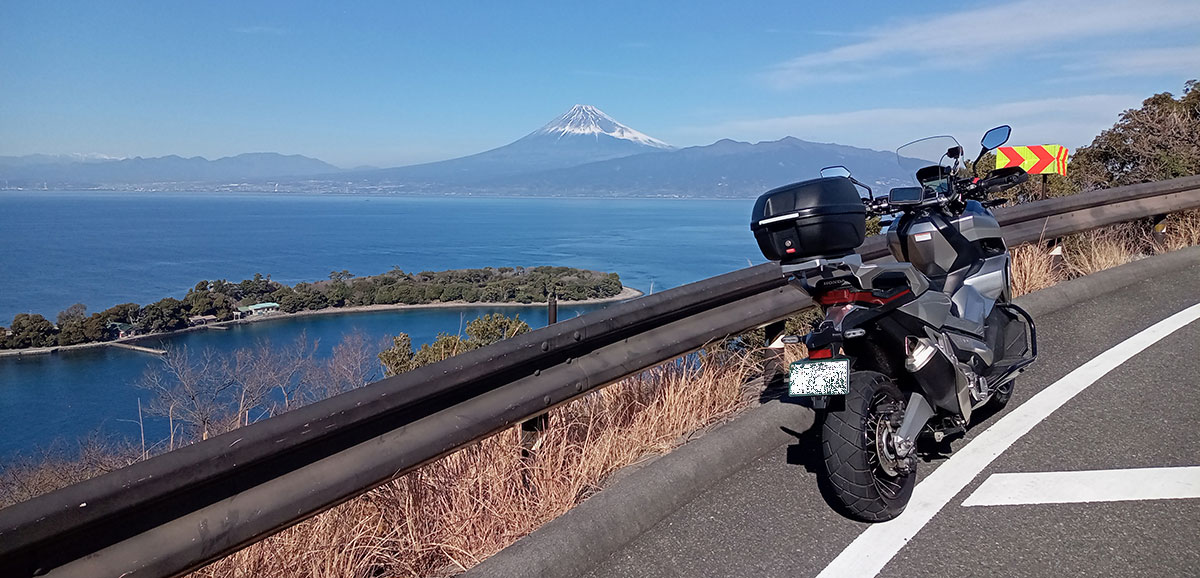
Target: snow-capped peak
(585, 119)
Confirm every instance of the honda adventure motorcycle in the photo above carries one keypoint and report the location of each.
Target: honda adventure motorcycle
(907, 349)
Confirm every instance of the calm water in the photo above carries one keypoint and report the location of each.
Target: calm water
(99, 248)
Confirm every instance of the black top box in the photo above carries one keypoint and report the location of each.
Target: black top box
(818, 218)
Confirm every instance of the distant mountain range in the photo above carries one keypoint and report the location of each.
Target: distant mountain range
(60, 172)
(582, 152)
(724, 168)
(582, 135)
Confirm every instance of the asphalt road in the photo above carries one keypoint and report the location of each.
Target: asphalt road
(769, 519)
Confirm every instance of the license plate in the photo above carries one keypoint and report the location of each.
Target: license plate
(819, 377)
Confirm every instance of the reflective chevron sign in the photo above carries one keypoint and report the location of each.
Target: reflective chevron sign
(1036, 160)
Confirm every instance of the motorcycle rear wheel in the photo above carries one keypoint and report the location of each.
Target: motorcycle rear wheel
(863, 479)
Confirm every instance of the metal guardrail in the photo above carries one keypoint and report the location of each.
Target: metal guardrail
(177, 511)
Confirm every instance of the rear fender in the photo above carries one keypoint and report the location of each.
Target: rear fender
(883, 349)
(839, 319)
(880, 352)
(856, 315)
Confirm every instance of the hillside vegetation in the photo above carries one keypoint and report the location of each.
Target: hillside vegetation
(221, 299)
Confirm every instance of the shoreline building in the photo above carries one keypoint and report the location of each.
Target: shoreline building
(201, 320)
(256, 310)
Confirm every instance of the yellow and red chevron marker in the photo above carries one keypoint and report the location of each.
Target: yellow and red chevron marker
(1036, 160)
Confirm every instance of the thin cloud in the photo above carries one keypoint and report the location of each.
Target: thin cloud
(1072, 121)
(1148, 61)
(993, 33)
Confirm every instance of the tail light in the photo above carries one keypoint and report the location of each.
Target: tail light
(826, 353)
(842, 296)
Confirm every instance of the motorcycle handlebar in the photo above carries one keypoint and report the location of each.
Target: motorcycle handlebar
(970, 188)
(981, 188)
(879, 206)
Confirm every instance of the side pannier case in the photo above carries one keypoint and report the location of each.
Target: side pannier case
(818, 218)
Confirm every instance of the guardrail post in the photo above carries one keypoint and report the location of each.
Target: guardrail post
(532, 428)
(773, 366)
(1057, 261)
(1159, 232)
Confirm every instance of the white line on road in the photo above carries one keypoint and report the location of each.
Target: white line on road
(876, 546)
(1088, 486)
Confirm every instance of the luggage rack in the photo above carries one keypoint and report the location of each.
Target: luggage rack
(843, 262)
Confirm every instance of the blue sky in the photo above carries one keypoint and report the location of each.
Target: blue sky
(392, 83)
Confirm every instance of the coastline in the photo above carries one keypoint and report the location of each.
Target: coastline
(625, 294)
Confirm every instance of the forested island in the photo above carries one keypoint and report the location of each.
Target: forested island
(221, 300)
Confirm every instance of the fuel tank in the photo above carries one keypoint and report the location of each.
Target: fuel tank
(938, 244)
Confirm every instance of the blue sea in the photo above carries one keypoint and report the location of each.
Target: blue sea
(105, 248)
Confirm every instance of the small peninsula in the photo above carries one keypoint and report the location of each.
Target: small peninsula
(215, 302)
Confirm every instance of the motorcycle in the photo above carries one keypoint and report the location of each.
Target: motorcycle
(905, 350)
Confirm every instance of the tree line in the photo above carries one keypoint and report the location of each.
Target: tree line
(1156, 142)
(221, 299)
(207, 393)
(203, 393)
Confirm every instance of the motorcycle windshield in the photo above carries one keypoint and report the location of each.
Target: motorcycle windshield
(925, 152)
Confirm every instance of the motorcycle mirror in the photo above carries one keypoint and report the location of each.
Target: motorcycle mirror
(954, 152)
(995, 137)
(991, 139)
(835, 171)
(841, 171)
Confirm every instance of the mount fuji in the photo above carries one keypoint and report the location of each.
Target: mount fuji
(586, 152)
(579, 136)
(588, 121)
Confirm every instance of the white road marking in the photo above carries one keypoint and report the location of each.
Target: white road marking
(876, 546)
(1088, 486)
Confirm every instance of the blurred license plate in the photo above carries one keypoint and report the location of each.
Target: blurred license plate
(821, 377)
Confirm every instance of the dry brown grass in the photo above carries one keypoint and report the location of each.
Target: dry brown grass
(1182, 230)
(1033, 269)
(1100, 249)
(1085, 253)
(449, 515)
(27, 477)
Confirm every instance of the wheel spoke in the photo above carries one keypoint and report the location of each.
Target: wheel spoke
(876, 421)
(889, 486)
(868, 423)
